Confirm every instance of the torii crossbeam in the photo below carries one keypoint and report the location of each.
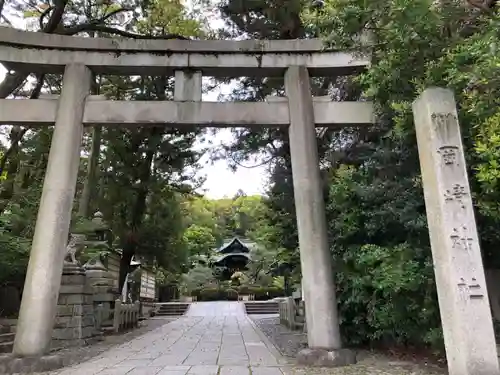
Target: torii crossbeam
(79, 57)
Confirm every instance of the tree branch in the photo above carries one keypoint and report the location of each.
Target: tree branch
(113, 13)
(56, 16)
(13, 80)
(484, 5)
(2, 4)
(6, 20)
(15, 142)
(43, 15)
(111, 30)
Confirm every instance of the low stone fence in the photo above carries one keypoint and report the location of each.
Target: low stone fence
(287, 312)
(292, 315)
(125, 315)
(246, 297)
(148, 308)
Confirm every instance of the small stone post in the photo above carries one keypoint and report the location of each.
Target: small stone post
(463, 299)
(43, 277)
(323, 334)
(117, 315)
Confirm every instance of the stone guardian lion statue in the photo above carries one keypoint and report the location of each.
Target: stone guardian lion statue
(75, 245)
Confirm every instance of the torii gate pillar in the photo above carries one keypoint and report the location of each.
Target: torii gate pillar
(323, 334)
(43, 277)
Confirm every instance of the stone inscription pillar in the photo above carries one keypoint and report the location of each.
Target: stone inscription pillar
(316, 261)
(461, 286)
(43, 278)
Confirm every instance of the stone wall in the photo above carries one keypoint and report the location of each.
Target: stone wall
(112, 264)
(104, 291)
(148, 284)
(75, 322)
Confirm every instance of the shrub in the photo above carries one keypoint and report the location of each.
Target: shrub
(196, 293)
(244, 290)
(211, 294)
(266, 293)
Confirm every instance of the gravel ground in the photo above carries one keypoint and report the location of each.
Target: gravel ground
(289, 343)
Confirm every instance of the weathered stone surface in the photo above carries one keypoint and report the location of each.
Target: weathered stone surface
(326, 358)
(104, 297)
(213, 57)
(73, 279)
(10, 364)
(74, 321)
(102, 289)
(73, 289)
(72, 269)
(65, 310)
(316, 261)
(461, 285)
(203, 114)
(43, 276)
(222, 340)
(73, 299)
(72, 333)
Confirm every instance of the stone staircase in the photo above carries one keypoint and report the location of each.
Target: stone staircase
(172, 309)
(262, 307)
(6, 339)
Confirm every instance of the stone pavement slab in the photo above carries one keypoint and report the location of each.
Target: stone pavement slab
(213, 339)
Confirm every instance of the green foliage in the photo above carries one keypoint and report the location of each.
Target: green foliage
(169, 17)
(375, 208)
(15, 247)
(200, 240)
(377, 223)
(221, 293)
(488, 168)
(266, 293)
(198, 277)
(141, 171)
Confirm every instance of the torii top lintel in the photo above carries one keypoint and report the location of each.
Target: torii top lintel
(39, 52)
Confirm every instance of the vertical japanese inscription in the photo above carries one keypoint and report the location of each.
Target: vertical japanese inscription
(449, 155)
(473, 289)
(444, 123)
(456, 193)
(460, 239)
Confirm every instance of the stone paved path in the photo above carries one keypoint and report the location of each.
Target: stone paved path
(212, 339)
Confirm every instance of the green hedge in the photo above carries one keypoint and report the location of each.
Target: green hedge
(231, 294)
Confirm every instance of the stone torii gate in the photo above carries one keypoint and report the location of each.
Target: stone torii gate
(464, 303)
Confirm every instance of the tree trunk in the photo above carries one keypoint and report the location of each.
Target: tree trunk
(90, 181)
(127, 255)
(139, 209)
